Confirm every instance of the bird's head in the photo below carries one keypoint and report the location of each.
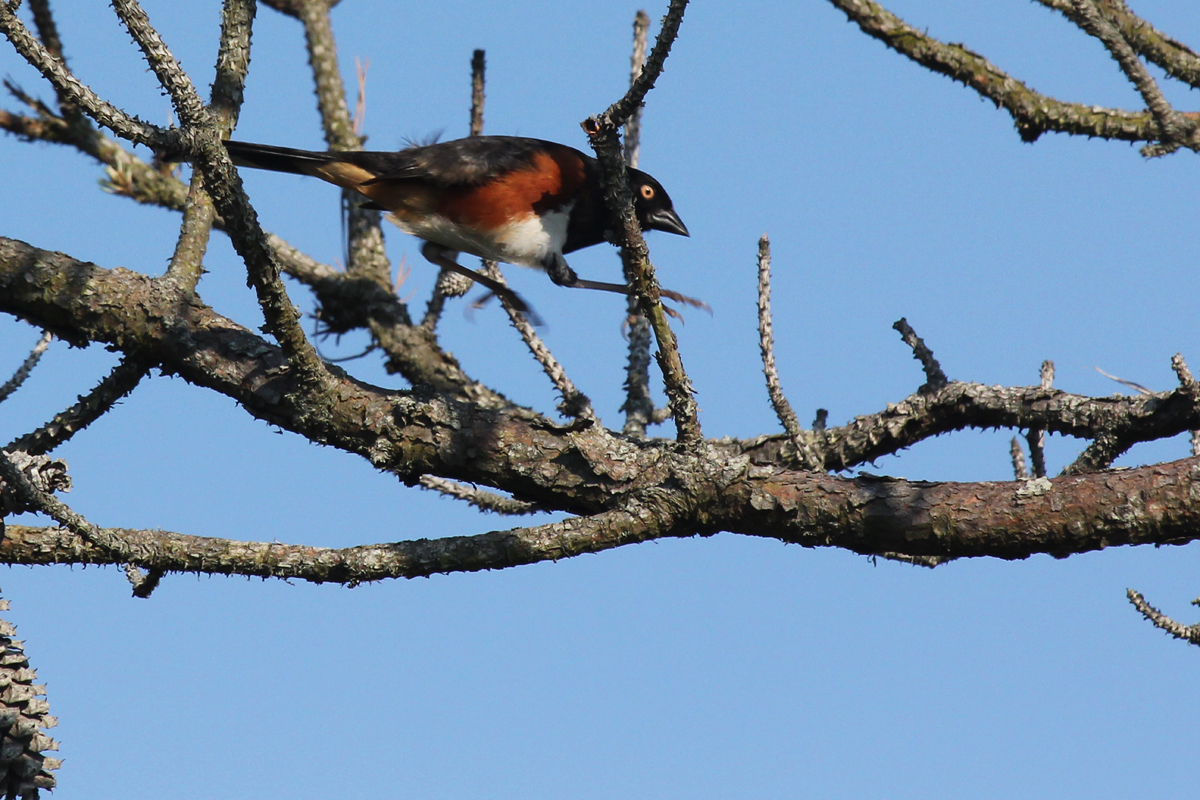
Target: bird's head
(653, 205)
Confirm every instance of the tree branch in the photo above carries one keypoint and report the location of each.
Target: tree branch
(1175, 58)
(1174, 130)
(635, 256)
(808, 457)
(68, 86)
(1034, 113)
(121, 381)
(638, 406)
(31, 361)
(1188, 633)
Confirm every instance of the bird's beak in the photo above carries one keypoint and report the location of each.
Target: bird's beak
(667, 220)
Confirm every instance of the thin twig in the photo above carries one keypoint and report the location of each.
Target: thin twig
(68, 86)
(635, 256)
(184, 97)
(1137, 387)
(145, 583)
(1189, 385)
(117, 384)
(187, 262)
(233, 62)
(43, 20)
(36, 499)
(633, 125)
(638, 405)
(934, 377)
(480, 498)
(1188, 633)
(1020, 472)
(620, 111)
(1037, 436)
(366, 256)
(31, 361)
(478, 68)
(574, 404)
(766, 343)
(450, 283)
(360, 104)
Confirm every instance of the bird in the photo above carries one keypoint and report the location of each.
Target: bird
(505, 198)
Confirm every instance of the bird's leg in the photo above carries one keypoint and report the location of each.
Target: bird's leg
(445, 259)
(561, 273)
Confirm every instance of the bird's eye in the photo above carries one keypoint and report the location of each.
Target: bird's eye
(647, 191)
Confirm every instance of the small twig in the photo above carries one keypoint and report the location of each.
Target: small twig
(478, 68)
(766, 343)
(934, 377)
(638, 406)
(187, 262)
(233, 62)
(360, 104)
(450, 283)
(620, 111)
(1020, 472)
(43, 20)
(1037, 436)
(31, 361)
(1135, 386)
(1175, 130)
(633, 125)
(184, 98)
(1188, 633)
(480, 498)
(627, 234)
(574, 404)
(1192, 388)
(143, 584)
(34, 498)
(68, 86)
(120, 382)
(366, 256)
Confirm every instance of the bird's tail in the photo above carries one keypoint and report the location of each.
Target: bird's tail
(276, 159)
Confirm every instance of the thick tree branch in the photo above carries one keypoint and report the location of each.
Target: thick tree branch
(930, 522)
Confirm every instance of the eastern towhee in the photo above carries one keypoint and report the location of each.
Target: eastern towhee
(505, 198)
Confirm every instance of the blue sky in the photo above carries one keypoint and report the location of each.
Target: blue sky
(702, 668)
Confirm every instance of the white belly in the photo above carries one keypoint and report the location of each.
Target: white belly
(527, 242)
